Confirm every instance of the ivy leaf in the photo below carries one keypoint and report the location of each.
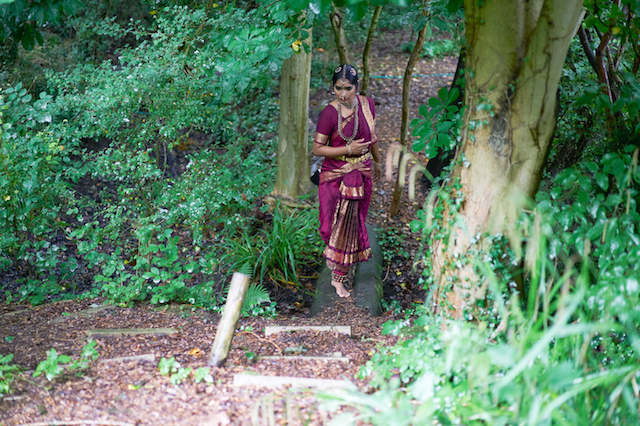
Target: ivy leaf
(602, 180)
(393, 327)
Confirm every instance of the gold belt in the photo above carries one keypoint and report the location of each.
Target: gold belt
(354, 160)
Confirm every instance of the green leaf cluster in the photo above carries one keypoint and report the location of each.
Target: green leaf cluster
(439, 129)
(7, 373)
(54, 365)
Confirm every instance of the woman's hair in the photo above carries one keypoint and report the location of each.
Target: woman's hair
(347, 72)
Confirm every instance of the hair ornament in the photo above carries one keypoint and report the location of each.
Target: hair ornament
(353, 71)
(337, 70)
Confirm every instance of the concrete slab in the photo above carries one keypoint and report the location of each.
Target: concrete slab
(145, 357)
(244, 379)
(85, 313)
(129, 331)
(305, 358)
(343, 329)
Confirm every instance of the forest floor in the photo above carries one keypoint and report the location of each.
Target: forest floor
(118, 392)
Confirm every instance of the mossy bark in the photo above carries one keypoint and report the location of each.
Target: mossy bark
(292, 179)
(513, 69)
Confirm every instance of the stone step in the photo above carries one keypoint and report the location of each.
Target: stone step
(304, 358)
(84, 314)
(244, 379)
(105, 332)
(145, 357)
(343, 329)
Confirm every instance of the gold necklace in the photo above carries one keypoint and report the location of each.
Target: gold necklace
(354, 107)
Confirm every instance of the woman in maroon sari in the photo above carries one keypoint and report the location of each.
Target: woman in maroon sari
(346, 137)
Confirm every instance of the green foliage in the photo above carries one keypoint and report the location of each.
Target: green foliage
(32, 186)
(256, 296)
(180, 374)
(594, 211)
(22, 19)
(203, 374)
(137, 230)
(54, 365)
(51, 366)
(7, 371)
(168, 365)
(434, 48)
(439, 130)
(276, 249)
(392, 244)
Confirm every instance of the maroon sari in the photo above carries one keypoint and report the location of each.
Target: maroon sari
(345, 187)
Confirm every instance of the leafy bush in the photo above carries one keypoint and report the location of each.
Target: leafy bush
(32, 184)
(565, 351)
(151, 229)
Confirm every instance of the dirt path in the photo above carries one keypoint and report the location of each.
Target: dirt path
(134, 392)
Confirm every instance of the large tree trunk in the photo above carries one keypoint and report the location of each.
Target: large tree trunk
(404, 124)
(292, 179)
(513, 69)
(367, 47)
(337, 23)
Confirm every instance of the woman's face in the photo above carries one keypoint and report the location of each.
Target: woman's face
(345, 91)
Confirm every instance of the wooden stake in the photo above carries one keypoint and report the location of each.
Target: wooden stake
(229, 320)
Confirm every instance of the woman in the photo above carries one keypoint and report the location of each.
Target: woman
(346, 137)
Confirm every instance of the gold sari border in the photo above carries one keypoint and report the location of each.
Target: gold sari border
(351, 192)
(347, 259)
(355, 160)
(364, 103)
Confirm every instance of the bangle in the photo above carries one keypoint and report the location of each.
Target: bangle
(349, 149)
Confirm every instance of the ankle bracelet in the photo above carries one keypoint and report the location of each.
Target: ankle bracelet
(338, 277)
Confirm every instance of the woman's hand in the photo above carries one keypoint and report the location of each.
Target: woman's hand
(377, 171)
(359, 147)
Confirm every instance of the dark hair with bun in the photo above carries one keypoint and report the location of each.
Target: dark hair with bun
(347, 72)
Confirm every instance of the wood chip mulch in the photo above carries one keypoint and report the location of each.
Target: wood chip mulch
(134, 392)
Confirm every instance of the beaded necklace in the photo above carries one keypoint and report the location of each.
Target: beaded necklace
(350, 139)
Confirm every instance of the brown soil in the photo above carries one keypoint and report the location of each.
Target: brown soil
(134, 392)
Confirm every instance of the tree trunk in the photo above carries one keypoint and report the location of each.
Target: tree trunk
(404, 125)
(367, 47)
(337, 23)
(513, 69)
(292, 179)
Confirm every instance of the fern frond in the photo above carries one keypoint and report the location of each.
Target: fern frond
(256, 295)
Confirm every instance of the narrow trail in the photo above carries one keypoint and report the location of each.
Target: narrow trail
(132, 391)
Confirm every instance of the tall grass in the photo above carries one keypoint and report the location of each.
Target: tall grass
(276, 250)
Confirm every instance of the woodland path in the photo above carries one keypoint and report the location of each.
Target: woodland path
(134, 392)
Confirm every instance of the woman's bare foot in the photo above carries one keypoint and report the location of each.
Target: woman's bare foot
(342, 292)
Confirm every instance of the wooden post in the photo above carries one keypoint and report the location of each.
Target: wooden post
(229, 320)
